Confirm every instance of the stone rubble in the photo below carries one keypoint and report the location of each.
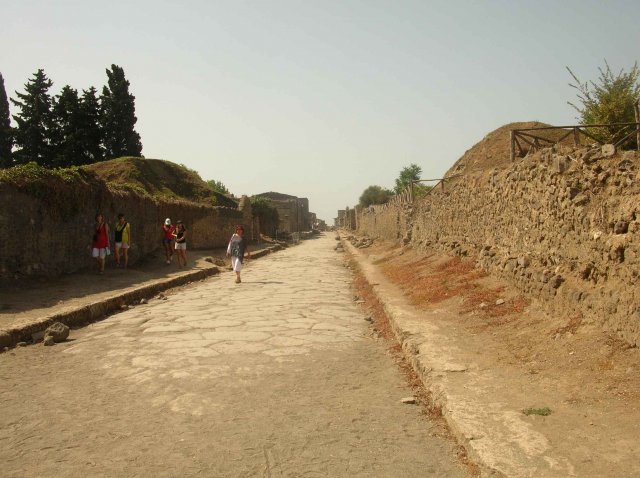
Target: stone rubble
(58, 332)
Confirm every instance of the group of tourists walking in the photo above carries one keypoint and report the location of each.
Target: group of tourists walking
(101, 244)
(174, 239)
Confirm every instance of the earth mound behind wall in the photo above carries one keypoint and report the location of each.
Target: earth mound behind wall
(494, 150)
(158, 178)
(562, 224)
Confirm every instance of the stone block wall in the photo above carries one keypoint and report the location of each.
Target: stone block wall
(38, 241)
(293, 212)
(562, 225)
(390, 222)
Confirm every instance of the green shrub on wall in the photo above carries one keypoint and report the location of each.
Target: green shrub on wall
(129, 187)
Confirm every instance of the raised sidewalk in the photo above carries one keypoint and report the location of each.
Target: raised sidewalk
(478, 402)
(29, 308)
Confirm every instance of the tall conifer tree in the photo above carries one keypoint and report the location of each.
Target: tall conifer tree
(91, 135)
(32, 134)
(118, 117)
(66, 131)
(6, 134)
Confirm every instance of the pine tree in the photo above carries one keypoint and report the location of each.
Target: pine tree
(32, 134)
(66, 147)
(6, 134)
(91, 135)
(118, 117)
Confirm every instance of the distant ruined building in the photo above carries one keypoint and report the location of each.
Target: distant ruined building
(293, 212)
(347, 218)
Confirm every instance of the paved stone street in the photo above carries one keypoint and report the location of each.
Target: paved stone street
(272, 377)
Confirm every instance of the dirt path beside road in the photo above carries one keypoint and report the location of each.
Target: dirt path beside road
(532, 394)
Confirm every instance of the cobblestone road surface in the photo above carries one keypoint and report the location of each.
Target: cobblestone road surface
(272, 377)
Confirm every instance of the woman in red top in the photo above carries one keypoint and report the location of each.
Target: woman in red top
(167, 239)
(100, 243)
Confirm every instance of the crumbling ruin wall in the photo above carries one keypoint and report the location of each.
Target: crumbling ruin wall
(387, 221)
(40, 241)
(562, 225)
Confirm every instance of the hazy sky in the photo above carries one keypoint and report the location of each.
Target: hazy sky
(321, 99)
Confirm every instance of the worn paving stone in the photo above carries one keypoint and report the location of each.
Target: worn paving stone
(271, 377)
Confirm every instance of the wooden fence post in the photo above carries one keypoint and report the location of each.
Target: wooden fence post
(513, 145)
(637, 109)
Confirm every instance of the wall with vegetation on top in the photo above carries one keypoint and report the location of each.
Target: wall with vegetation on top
(47, 222)
(562, 224)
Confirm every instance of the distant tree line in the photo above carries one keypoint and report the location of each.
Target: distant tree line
(408, 175)
(70, 128)
(218, 186)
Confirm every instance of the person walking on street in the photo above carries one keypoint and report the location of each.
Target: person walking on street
(181, 243)
(236, 249)
(123, 240)
(167, 239)
(100, 242)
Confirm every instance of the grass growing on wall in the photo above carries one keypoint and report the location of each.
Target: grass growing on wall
(31, 177)
(60, 188)
(65, 191)
(159, 179)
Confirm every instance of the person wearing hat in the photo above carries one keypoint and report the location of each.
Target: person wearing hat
(236, 249)
(167, 239)
(181, 243)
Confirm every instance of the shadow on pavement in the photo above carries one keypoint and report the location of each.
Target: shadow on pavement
(33, 297)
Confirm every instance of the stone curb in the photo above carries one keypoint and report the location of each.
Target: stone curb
(100, 308)
(413, 341)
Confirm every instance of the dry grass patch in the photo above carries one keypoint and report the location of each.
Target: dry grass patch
(427, 281)
(430, 279)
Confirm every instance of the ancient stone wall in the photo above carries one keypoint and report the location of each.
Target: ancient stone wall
(293, 212)
(562, 225)
(38, 241)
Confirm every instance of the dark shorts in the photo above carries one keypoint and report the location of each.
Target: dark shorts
(166, 241)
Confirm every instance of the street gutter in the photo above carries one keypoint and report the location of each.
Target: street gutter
(473, 400)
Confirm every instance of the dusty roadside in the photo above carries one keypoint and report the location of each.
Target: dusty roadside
(380, 329)
(526, 394)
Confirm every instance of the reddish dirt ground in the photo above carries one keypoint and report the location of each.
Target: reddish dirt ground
(543, 344)
(585, 375)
